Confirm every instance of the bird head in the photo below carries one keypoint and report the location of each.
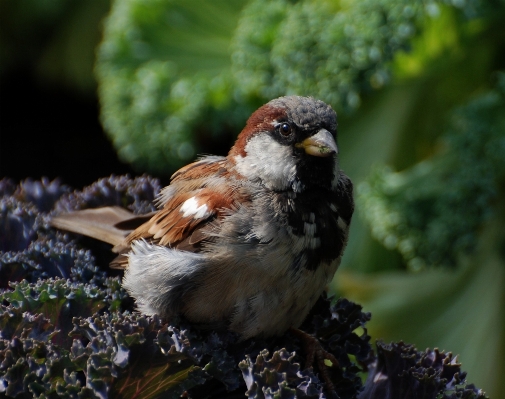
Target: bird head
(289, 143)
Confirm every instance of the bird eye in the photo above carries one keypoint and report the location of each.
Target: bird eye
(285, 129)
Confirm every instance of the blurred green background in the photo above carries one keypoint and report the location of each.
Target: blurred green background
(419, 87)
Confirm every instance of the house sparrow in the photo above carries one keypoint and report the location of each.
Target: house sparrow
(246, 242)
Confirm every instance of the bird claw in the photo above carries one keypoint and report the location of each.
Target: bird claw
(315, 353)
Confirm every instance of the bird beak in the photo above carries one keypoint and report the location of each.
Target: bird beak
(321, 144)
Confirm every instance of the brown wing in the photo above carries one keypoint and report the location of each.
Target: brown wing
(197, 196)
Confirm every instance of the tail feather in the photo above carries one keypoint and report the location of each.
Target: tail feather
(104, 224)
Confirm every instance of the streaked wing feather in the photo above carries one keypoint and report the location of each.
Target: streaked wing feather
(205, 184)
(119, 262)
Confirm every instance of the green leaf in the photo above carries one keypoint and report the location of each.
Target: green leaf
(163, 65)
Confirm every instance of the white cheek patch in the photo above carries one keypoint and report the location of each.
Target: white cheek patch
(190, 208)
(269, 161)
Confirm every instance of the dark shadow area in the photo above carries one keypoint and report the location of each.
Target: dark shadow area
(53, 132)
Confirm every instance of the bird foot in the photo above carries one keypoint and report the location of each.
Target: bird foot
(315, 353)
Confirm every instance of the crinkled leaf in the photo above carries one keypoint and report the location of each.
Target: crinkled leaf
(136, 194)
(400, 371)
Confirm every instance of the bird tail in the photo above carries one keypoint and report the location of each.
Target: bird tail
(109, 224)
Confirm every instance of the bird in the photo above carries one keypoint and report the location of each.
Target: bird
(245, 242)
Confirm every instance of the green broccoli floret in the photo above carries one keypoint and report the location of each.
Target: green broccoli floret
(175, 77)
(161, 66)
(431, 212)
